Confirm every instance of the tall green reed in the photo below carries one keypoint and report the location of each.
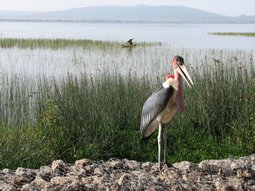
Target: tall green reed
(97, 116)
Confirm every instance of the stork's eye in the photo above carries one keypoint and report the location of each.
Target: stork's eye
(179, 59)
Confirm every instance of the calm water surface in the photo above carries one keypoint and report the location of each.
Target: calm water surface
(176, 35)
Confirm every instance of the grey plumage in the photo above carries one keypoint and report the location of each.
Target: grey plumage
(162, 105)
(153, 106)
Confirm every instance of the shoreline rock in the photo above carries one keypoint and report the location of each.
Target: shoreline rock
(115, 174)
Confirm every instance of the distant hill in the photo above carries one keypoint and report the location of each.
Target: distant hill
(139, 13)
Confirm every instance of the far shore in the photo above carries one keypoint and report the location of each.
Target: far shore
(115, 21)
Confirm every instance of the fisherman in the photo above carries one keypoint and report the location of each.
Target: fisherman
(130, 41)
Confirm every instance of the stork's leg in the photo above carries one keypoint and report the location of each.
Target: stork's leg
(165, 144)
(159, 144)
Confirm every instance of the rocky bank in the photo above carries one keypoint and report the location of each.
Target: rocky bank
(115, 174)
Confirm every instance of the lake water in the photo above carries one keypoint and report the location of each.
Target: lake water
(189, 40)
(29, 68)
(175, 35)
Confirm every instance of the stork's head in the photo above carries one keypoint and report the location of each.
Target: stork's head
(178, 64)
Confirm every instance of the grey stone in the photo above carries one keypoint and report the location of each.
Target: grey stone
(213, 166)
(58, 167)
(114, 163)
(82, 162)
(6, 187)
(185, 165)
(131, 164)
(116, 174)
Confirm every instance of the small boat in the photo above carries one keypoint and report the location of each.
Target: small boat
(128, 45)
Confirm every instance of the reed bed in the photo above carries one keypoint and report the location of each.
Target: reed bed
(97, 116)
(63, 43)
(245, 34)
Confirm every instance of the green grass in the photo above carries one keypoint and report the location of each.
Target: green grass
(64, 43)
(98, 117)
(245, 34)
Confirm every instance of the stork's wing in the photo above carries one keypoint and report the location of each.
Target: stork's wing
(153, 106)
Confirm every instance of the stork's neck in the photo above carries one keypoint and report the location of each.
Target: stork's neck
(180, 103)
(178, 78)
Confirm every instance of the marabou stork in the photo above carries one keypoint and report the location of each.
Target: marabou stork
(161, 106)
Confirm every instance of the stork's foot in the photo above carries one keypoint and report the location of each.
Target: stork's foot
(159, 166)
(168, 164)
(163, 165)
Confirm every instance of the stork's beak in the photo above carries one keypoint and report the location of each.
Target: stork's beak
(181, 69)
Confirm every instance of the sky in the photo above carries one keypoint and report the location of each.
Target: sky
(224, 7)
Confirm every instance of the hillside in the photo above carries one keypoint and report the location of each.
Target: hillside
(139, 13)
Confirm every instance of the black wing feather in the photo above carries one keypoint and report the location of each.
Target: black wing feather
(154, 105)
